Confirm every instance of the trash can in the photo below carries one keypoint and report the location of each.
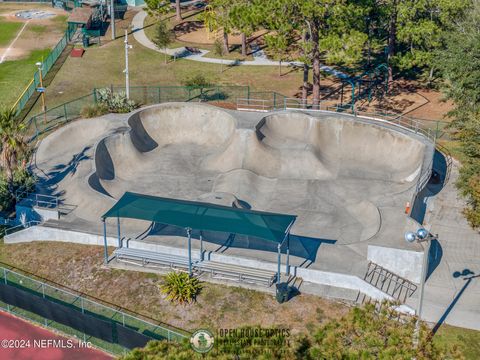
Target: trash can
(86, 40)
(282, 293)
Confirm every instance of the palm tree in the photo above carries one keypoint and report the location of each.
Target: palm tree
(13, 143)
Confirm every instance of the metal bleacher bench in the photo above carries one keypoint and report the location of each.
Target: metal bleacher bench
(237, 272)
(144, 258)
(215, 269)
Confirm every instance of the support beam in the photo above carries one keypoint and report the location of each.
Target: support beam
(288, 255)
(279, 247)
(201, 246)
(189, 234)
(118, 233)
(105, 240)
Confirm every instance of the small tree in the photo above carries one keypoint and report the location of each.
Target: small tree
(219, 51)
(163, 37)
(13, 145)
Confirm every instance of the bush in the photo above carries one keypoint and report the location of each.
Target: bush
(197, 81)
(91, 111)
(180, 287)
(115, 102)
(22, 180)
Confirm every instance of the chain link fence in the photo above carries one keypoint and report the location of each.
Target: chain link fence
(46, 66)
(58, 299)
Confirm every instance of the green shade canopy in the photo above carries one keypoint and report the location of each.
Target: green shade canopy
(202, 216)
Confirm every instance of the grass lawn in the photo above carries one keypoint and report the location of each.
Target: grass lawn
(103, 65)
(8, 30)
(468, 340)
(15, 75)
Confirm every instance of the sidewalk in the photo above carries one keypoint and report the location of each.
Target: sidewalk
(460, 248)
(183, 53)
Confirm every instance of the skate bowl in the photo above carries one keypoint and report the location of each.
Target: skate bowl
(333, 171)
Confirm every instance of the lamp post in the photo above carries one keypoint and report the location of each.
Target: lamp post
(421, 236)
(112, 17)
(42, 90)
(127, 79)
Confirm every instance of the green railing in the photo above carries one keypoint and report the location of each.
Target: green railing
(231, 96)
(84, 305)
(47, 65)
(145, 95)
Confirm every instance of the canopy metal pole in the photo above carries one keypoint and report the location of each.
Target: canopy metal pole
(279, 246)
(201, 246)
(288, 254)
(118, 231)
(105, 240)
(189, 234)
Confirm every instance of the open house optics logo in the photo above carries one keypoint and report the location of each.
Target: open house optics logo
(202, 341)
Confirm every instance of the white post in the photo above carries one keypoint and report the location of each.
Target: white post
(189, 234)
(112, 17)
(279, 246)
(201, 246)
(105, 241)
(127, 79)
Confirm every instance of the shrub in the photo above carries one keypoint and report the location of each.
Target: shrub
(115, 102)
(91, 111)
(180, 287)
(197, 81)
(22, 180)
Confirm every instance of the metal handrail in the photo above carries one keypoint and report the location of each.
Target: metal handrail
(23, 225)
(39, 200)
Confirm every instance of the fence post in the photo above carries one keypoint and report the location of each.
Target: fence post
(65, 111)
(95, 95)
(159, 96)
(81, 305)
(123, 318)
(5, 276)
(274, 100)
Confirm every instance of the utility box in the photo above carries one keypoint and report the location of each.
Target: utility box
(282, 293)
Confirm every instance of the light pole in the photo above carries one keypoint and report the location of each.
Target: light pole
(112, 17)
(422, 235)
(127, 79)
(42, 90)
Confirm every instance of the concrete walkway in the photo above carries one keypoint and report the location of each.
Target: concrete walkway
(460, 249)
(183, 53)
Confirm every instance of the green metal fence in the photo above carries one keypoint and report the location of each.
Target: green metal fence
(86, 306)
(145, 95)
(47, 65)
(230, 96)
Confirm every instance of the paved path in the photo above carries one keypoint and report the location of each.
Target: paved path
(33, 342)
(460, 246)
(182, 52)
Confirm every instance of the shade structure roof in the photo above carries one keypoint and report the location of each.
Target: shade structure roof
(202, 216)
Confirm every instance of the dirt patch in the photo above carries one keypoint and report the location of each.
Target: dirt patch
(218, 306)
(195, 32)
(38, 34)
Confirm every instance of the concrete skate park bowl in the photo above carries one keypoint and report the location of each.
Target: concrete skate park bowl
(332, 171)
